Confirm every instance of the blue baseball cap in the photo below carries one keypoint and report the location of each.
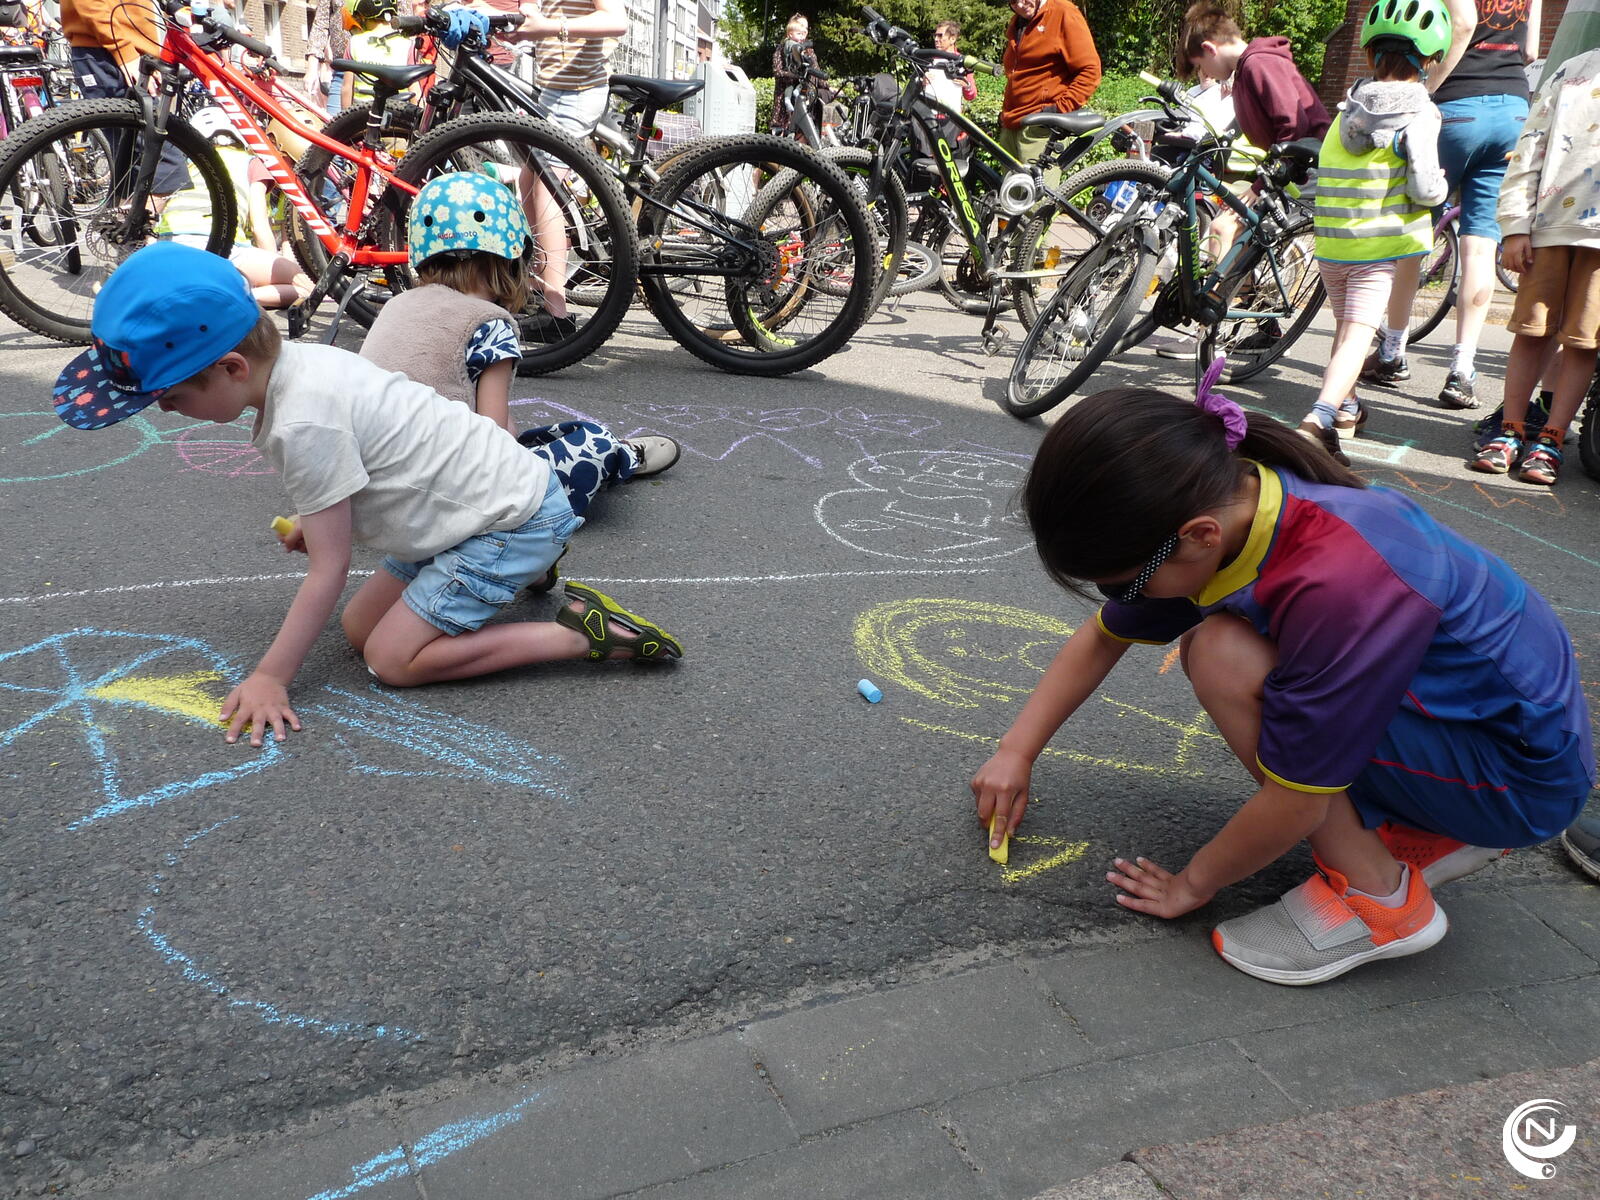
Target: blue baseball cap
(163, 316)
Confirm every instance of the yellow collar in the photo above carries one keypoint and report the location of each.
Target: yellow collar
(1242, 571)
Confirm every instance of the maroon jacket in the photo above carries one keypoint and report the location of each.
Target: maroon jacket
(1271, 99)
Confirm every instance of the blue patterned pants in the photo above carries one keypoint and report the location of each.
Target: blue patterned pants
(584, 455)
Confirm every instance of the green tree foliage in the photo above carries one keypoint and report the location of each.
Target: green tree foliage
(1131, 35)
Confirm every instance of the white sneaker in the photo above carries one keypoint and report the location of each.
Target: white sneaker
(653, 453)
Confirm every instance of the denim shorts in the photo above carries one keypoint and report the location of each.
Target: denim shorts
(576, 113)
(1476, 135)
(459, 589)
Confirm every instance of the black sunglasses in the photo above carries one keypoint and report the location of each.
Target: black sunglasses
(1127, 593)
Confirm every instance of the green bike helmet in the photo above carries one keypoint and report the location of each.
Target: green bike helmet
(1425, 24)
(463, 212)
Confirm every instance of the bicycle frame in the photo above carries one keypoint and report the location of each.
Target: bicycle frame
(179, 52)
(24, 92)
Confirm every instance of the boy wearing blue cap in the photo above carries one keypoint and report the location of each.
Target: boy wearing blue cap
(466, 516)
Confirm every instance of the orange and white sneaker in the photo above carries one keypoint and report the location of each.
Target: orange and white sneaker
(1439, 858)
(1321, 930)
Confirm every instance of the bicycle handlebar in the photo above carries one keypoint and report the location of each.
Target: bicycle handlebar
(977, 64)
(438, 21)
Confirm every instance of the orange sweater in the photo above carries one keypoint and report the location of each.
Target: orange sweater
(1054, 63)
(126, 28)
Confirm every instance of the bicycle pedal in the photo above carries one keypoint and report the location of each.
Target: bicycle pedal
(299, 321)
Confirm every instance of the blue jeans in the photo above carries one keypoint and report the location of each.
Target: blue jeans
(1476, 134)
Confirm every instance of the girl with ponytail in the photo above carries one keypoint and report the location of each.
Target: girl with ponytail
(1399, 696)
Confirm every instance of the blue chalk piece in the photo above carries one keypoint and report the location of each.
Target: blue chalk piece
(870, 690)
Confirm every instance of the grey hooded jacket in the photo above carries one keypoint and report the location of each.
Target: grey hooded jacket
(1400, 115)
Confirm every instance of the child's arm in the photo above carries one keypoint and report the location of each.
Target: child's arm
(1263, 831)
(259, 217)
(1419, 143)
(1079, 667)
(494, 393)
(263, 698)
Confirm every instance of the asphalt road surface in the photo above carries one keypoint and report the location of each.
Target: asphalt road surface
(201, 939)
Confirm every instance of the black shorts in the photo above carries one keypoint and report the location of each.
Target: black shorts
(100, 78)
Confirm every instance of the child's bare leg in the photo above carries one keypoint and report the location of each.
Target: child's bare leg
(1573, 375)
(405, 651)
(1228, 663)
(1524, 366)
(367, 607)
(1351, 341)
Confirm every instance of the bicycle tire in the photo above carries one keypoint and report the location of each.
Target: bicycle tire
(1440, 272)
(1307, 300)
(1509, 280)
(1028, 245)
(1121, 245)
(601, 252)
(85, 252)
(890, 214)
(919, 270)
(1589, 432)
(400, 121)
(768, 293)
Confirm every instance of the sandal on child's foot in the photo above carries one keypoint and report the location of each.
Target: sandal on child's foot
(1351, 420)
(610, 627)
(653, 453)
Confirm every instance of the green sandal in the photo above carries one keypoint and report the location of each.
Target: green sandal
(600, 612)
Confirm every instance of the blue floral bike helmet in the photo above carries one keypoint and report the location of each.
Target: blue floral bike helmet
(466, 212)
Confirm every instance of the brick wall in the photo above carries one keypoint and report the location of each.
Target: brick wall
(289, 18)
(1345, 62)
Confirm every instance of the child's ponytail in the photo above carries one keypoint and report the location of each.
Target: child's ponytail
(1125, 468)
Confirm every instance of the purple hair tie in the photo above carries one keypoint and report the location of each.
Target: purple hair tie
(1234, 425)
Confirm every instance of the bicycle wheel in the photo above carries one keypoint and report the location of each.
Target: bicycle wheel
(1509, 280)
(585, 244)
(769, 262)
(888, 213)
(1292, 295)
(1437, 290)
(327, 180)
(919, 270)
(1051, 238)
(1589, 431)
(65, 181)
(1082, 324)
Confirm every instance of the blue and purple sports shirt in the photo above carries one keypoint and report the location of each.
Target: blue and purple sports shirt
(1375, 606)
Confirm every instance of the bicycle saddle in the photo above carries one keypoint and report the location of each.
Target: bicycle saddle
(16, 56)
(397, 77)
(1073, 123)
(636, 89)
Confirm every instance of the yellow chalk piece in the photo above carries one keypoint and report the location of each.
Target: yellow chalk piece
(1002, 852)
(181, 694)
(282, 526)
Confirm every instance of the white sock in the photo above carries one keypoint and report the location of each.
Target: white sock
(1395, 898)
(1461, 360)
(1393, 344)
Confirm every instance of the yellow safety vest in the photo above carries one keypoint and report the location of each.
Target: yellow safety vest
(188, 212)
(1363, 211)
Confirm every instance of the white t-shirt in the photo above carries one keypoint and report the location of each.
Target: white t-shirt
(421, 473)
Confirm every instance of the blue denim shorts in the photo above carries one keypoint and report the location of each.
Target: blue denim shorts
(1476, 135)
(459, 589)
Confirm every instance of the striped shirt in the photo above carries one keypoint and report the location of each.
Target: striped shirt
(576, 63)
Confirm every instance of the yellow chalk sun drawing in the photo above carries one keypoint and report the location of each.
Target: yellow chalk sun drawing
(184, 695)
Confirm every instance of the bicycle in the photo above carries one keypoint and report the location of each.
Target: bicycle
(751, 279)
(1008, 215)
(52, 292)
(1091, 316)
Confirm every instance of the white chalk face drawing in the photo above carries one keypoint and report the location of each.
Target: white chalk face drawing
(931, 506)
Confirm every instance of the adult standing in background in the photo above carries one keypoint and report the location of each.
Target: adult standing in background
(948, 83)
(573, 43)
(1051, 66)
(1482, 105)
(328, 40)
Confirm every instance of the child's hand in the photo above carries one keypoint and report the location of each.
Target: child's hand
(295, 539)
(258, 702)
(1001, 787)
(1516, 252)
(1147, 888)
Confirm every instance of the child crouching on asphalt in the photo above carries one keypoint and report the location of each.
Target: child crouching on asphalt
(1551, 218)
(466, 516)
(470, 244)
(1377, 177)
(1401, 697)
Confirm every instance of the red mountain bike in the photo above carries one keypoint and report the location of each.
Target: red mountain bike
(108, 176)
